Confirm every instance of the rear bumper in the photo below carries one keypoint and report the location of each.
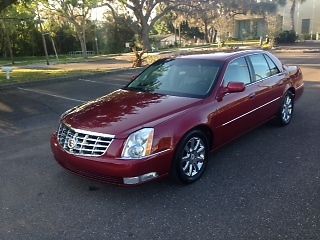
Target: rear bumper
(114, 170)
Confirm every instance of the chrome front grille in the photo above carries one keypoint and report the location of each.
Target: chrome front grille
(83, 143)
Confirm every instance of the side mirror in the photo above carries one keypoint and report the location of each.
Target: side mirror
(133, 77)
(234, 87)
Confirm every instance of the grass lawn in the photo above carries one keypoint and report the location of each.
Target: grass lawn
(63, 59)
(30, 75)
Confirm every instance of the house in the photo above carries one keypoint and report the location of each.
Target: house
(307, 21)
(168, 40)
(171, 39)
(249, 27)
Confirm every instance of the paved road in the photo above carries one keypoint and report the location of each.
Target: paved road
(265, 185)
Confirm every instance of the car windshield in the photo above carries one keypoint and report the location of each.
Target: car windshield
(178, 77)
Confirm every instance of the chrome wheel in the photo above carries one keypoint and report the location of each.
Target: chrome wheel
(193, 156)
(287, 109)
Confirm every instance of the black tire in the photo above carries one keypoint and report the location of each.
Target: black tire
(190, 160)
(285, 113)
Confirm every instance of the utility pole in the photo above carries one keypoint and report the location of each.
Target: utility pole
(43, 38)
(95, 34)
(179, 34)
(175, 34)
(54, 47)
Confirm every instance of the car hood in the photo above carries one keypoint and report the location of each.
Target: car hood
(122, 112)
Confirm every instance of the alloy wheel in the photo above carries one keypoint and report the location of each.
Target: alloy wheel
(287, 109)
(193, 156)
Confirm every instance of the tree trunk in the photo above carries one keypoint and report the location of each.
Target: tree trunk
(179, 34)
(211, 30)
(292, 13)
(10, 49)
(145, 29)
(215, 35)
(83, 48)
(83, 45)
(206, 32)
(8, 42)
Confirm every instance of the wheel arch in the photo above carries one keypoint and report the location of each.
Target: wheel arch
(292, 90)
(208, 133)
(205, 129)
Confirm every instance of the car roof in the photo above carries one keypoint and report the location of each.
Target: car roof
(221, 56)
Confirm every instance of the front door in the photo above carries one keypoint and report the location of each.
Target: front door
(235, 111)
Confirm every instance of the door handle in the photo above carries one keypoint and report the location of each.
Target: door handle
(252, 95)
(280, 83)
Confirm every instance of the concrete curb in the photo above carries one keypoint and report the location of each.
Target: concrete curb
(62, 79)
(284, 50)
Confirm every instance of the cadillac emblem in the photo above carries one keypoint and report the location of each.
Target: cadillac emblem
(72, 143)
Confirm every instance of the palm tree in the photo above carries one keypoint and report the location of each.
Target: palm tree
(292, 12)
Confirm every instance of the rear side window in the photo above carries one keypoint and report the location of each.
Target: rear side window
(260, 67)
(237, 71)
(273, 68)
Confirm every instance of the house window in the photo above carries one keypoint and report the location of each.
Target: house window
(305, 26)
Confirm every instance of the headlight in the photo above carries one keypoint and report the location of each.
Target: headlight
(138, 144)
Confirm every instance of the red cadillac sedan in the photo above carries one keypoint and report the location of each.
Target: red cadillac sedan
(168, 119)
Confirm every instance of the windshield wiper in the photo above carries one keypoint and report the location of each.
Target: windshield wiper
(140, 89)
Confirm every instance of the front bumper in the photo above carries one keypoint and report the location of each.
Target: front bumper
(114, 170)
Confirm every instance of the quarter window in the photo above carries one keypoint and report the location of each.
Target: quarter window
(260, 67)
(237, 71)
(273, 68)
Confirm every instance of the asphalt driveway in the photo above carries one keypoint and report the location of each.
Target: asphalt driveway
(265, 185)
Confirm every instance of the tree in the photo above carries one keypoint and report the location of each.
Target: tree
(115, 32)
(273, 22)
(62, 33)
(6, 3)
(198, 15)
(251, 6)
(18, 30)
(216, 16)
(293, 11)
(78, 14)
(147, 13)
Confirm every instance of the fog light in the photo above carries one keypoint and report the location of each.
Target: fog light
(140, 179)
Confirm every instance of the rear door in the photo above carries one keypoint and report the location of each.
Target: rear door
(269, 86)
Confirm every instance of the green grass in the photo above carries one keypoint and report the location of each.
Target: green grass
(31, 75)
(215, 45)
(63, 59)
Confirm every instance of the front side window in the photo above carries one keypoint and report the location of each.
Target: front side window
(237, 71)
(260, 67)
(178, 77)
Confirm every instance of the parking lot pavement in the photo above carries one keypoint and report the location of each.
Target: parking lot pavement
(39, 104)
(264, 185)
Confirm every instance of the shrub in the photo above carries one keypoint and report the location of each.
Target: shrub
(266, 46)
(286, 37)
(309, 36)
